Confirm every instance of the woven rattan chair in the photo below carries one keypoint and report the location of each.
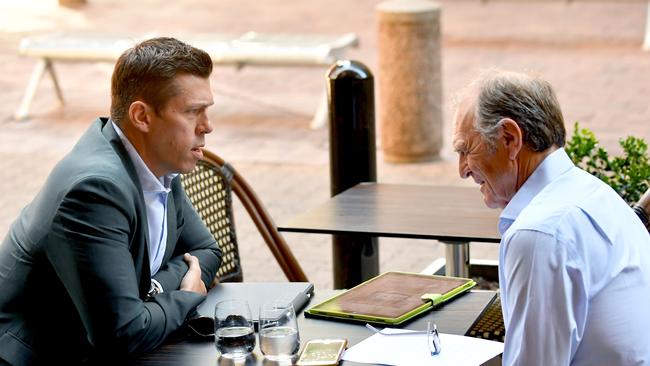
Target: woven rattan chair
(642, 208)
(209, 187)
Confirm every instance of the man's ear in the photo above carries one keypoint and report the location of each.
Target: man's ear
(512, 137)
(139, 113)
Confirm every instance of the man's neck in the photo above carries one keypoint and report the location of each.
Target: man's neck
(529, 161)
(136, 139)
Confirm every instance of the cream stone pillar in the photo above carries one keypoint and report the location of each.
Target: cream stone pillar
(410, 82)
(72, 3)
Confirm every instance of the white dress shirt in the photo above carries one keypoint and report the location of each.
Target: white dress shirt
(155, 191)
(574, 272)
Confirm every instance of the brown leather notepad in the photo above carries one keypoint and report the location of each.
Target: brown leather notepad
(392, 297)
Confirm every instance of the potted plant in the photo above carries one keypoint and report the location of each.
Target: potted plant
(628, 175)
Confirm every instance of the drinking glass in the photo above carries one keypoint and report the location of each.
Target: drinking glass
(234, 335)
(279, 337)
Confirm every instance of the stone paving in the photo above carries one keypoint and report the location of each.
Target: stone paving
(590, 52)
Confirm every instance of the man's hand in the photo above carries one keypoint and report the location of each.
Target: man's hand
(192, 279)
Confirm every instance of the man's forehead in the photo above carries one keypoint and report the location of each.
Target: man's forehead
(190, 89)
(464, 116)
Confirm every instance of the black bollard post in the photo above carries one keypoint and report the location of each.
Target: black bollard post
(350, 92)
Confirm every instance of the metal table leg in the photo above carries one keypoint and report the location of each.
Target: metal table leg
(43, 65)
(321, 116)
(457, 258)
(34, 80)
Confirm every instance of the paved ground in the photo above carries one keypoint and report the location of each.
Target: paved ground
(589, 51)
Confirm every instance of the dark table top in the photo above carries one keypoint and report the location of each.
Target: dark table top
(454, 318)
(455, 214)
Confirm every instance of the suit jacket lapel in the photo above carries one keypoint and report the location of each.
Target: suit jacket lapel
(141, 261)
(171, 227)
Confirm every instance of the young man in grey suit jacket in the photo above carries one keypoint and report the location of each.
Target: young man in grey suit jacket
(110, 257)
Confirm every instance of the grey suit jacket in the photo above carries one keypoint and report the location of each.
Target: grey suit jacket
(74, 267)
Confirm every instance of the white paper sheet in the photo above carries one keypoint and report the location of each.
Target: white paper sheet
(413, 349)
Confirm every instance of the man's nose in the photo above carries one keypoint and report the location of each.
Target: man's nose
(206, 126)
(463, 168)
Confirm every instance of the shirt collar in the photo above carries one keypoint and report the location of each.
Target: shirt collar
(554, 165)
(148, 181)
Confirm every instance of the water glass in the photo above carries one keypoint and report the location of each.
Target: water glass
(234, 335)
(279, 337)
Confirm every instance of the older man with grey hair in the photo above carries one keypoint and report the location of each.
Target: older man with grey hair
(574, 261)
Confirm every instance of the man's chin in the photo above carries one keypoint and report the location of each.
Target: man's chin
(188, 168)
(490, 202)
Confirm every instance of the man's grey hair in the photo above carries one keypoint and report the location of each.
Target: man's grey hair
(529, 101)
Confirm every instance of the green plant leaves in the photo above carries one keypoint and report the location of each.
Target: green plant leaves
(629, 175)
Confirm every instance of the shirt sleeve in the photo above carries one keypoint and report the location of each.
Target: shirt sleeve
(195, 239)
(544, 300)
(157, 285)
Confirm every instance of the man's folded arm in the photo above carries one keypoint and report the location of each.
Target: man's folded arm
(195, 239)
(90, 250)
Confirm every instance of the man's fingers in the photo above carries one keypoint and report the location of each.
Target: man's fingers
(191, 260)
(192, 279)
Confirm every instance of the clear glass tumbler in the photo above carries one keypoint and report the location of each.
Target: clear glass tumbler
(234, 335)
(279, 337)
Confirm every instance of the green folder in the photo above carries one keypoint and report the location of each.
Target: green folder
(392, 298)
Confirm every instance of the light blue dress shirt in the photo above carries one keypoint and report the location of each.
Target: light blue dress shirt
(574, 272)
(155, 191)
